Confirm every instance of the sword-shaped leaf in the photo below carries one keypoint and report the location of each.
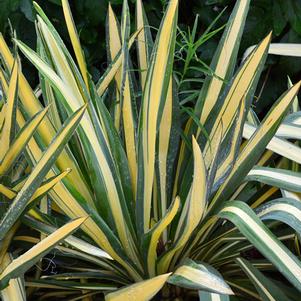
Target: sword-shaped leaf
(286, 210)
(154, 96)
(282, 178)
(198, 276)
(9, 128)
(39, 172)
(144, 42)
(21, 264)
(142, 291)
(268, 290)
(75, 41)
(20, 142)
(250, 225)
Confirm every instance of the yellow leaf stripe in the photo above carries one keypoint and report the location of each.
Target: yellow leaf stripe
(264, 197)
(75, 41)
(6, 133)
(127, 99)
(164, 139)
(142, 291)
(15, 289)
(151, 104)
(239, 88)
(129, 131)
(142, 48)
(193, 208)
(40, 191)
(87, 127)
(2, 115)
(269, 122)
(18, 145)
(10, 194)
(19, 203)
(204, 278)
(40, 248)
(156, 233)
(277, 251)
(108, 77)
(114, 41)
(62, 67)
(224, 61)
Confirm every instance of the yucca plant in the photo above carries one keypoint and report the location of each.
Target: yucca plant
(171, 207)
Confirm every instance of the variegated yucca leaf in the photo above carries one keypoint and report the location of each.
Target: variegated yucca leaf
(20, 142)
(222, 65)
(143, 291)
(32, 188)
(223, 61)
(263, 239)
(109, 74)
(73, 241)
(15, 289)
(153, 100)
(26, 260)
(8, 130)
(265, 287)
(256, 145)
(75, 41)
(281, 178)
(286, 210)
(144, 42)
(277, 145)
(286, 49)
(114, 48)
(198, 276)
(193, 209)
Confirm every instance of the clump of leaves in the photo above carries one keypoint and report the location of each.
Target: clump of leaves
(172, 212)
(21, 187)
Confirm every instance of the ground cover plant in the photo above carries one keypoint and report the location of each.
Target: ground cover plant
(170, 199)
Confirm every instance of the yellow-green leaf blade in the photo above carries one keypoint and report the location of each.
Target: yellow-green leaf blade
(7, 132)
(155, 92)
(20, 142)
(142, 291)
(193, 208)
(264, 240)
(198, 276)
(29, 258)
(75, 41)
